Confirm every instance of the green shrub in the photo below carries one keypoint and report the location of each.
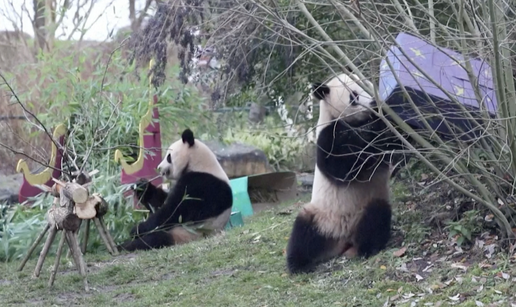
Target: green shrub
(102, 108)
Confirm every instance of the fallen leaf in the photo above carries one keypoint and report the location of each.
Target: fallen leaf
(395, 297)
(459, 266)
(480, 288)
(490, 249)
(403, 267)
(449, 282)
(503, 275)
(428, 268)
(400, 252)
(455, 297)
(484, 265)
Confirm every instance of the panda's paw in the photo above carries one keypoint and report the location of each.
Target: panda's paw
(140, 184)
(141, 187)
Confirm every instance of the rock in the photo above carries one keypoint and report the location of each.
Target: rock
(9, 187)
(239, 159)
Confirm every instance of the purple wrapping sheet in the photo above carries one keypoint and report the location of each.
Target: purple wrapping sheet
(440, 64)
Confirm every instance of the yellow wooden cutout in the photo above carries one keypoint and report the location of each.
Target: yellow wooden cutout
(46, 174)
(144, 123)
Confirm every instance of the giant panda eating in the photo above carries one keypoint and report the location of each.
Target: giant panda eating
(201, 198)
(349, 213)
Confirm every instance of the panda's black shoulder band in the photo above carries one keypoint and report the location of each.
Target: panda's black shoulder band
(320, 90)
(188, 137)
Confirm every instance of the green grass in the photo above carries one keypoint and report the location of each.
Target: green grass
(246, 267)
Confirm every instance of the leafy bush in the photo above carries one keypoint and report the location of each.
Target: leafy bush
(18, 228)
(464, 229)
(102, 107)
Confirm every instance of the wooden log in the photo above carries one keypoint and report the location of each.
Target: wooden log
(56, 190)
(73, 191)
(62, 219)
(86, 237)
(87, 210)
(108, 236)
(62, 215)
(58, 258)
(44, 251)
(103, 235)
(69, 199)
(77, 255)
(101, 206)
(33, 246)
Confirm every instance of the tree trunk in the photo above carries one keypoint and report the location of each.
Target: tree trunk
(38, 23)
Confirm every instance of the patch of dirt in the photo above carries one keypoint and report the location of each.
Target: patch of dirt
(431, 205)
(70, 298)
(228, 272)
(124, 297)
(257, 207)
(396, 240)
(438, 203)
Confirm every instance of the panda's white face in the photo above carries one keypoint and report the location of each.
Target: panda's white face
(190, 155)
(175, 161)
(344, 98)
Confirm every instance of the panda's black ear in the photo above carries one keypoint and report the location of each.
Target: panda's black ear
(188, 137)
(320, 90)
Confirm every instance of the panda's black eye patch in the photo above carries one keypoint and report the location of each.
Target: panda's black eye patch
(169, 158)
(353, 98)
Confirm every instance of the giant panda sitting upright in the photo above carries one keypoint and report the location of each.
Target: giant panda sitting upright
(202, 197)
(349, 213)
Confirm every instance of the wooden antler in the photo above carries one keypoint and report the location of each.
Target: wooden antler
(72, 204)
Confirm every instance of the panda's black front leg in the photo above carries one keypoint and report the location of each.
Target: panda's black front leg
(343, 151)
(141, 229)
(149, 195)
